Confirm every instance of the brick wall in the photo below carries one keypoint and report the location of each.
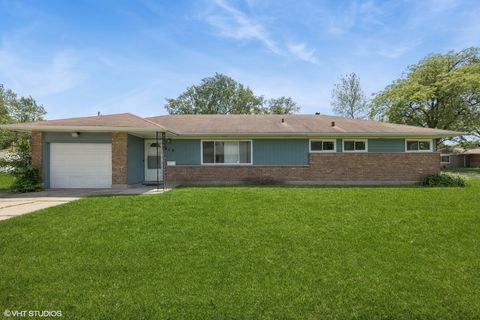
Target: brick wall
(37, 149)
(119, 159)
(328, 167)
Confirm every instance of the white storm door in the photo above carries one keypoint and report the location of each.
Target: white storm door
(153, 164)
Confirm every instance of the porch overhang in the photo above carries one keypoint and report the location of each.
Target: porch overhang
(137, 131)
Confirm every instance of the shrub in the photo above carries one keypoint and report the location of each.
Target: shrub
(442, 179)
(19, 164)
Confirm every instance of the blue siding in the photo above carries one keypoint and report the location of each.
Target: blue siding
(280, 152)
(386, 145)
(87, 137)
(51, 137)
(184, 152)
(136, 164)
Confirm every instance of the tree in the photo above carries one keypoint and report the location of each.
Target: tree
(441, 91)
(19, 164)
(282, 105)
(13, 110)
(348, 99)
(221, 94)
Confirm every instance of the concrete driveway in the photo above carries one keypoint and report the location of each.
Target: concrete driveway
(14, 204)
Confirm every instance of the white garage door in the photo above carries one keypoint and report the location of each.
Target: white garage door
(80, 165)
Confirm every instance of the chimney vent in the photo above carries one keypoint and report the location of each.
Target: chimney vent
(317, 113)
(333, 123)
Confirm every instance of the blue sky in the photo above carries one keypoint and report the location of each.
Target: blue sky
(80, 57)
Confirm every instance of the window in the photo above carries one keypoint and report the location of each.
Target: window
(445, 158)
(322, 146)
(355, 145)
(154, 162)
(226, 152)
(418, 145)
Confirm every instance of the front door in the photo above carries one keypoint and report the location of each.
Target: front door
(152, 161)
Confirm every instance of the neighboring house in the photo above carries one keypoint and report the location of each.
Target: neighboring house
(124, 149)
(461, 158)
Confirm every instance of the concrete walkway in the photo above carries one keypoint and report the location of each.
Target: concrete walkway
(14, 207)
(15, 204)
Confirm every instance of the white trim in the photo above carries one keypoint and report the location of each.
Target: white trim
(224, 135)
(445, 155)
(226, 164)
(418, 140)
(355, 140)
(307, 135)
(53, 128)
(322, 140)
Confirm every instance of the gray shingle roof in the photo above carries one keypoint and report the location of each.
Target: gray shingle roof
(237, 125)
(286, 124)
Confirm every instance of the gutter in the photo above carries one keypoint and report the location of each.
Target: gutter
(50, 128)
(322, 134)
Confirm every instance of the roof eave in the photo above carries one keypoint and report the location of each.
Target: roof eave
(324, 134)
(52, 128)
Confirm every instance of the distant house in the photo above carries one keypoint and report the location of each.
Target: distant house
(461, 158)
(125, 149)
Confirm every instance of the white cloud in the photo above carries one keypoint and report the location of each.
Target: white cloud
(301, 52)
(38, 77)
(387, 49)
(356, 14)
(439, 6)
(233, 23)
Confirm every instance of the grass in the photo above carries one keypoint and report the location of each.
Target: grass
(250, 253)
(6, 181)
(463, 170)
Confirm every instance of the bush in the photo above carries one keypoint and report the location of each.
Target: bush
(442, 179)
(19, 164)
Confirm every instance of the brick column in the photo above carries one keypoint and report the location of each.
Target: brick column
(119, 159)
(37, 150)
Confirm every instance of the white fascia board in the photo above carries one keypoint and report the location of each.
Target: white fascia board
(50, 128)
(315, 135)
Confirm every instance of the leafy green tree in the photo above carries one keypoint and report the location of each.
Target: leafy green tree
(282, 105)
(13, 110)
(221, 94)
(441, 91)
(7, 98)
(19, 164)
(348, 99)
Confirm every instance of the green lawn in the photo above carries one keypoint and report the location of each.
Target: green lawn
(460, 170)
(250, 253)
(6, 181)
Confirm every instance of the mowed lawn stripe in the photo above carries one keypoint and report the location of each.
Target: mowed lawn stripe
(250, 252)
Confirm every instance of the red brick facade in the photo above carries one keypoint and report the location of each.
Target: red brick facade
(328, 167)
(37, 149)
(119, 159)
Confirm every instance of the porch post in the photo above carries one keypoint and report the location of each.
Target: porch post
(157, 162)
(164, 159)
